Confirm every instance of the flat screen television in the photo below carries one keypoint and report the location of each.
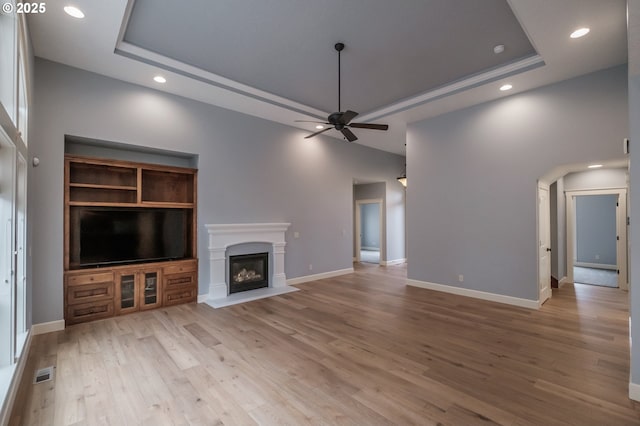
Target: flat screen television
(103, 236)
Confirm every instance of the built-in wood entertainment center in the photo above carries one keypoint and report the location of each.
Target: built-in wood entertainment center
(129, 237)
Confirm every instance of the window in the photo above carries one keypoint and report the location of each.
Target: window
(13, 195)
(21, 256)
(7, 189)
(8, 60)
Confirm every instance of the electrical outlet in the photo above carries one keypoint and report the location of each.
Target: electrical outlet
(296, 234)
(597, 257)
(310, 267)
(461, 278)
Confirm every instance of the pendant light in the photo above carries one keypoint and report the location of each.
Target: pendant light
(403, 178)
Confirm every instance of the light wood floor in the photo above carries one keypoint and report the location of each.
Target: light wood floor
(360, 349)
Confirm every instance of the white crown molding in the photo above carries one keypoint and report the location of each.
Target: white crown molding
(134, 52)
(450, 89)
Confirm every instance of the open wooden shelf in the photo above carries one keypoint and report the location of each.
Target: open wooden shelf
(99, 173)
(96, 182)
(167, 187)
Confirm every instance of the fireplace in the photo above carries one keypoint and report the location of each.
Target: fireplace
(248, 272)
(222, 239)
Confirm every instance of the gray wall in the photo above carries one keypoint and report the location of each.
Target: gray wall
(250, 170)
(117, 151)
(596, 179)
(633, 13)
(370, 226)
(395, 232)
(471, 204)
(596, 229)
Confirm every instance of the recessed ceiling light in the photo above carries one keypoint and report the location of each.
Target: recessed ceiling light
(506, 87)
(594, 166)
(159, 79)
(319, 126)
(580, 32)
(74, 11)
(499, 48)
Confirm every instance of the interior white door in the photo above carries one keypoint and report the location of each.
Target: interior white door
(544, 243)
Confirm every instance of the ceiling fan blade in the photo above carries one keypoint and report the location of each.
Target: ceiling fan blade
(369, 126)
(317, 133)
(308, 121)
(349, 135)
(348, 116)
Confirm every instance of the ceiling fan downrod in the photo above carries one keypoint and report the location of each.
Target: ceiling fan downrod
(339, 47)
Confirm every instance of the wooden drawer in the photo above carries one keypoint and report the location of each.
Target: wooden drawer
(182, 267)
(89, 311)
(84, 293)
(179, 295)
(175, 281)
(90, 278)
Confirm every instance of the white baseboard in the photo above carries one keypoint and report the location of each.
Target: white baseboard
(203, 297)
(509, 300)
(634, 391)
(393, 262)
(47, 327)
(315, 277)
(562, 281)
(15, 381)
(596, 265)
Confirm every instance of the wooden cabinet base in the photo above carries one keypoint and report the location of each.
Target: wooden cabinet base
(105, 292)
(84, 312)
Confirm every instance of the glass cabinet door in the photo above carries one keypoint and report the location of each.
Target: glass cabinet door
(127, 292)
(150, 289)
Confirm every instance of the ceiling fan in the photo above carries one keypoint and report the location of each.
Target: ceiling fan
(341, 121)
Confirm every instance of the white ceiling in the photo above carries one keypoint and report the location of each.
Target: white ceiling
(275, 59)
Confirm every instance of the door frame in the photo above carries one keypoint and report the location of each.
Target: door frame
(621, 230)
(358, 230)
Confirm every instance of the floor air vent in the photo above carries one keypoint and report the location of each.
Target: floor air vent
(43, 375)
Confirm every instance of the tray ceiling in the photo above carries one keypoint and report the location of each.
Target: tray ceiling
(394, 50)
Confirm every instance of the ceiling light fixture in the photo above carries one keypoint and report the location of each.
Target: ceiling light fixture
(580, 32)
(498, 49)
(159, 79)
(594, 166)
(74, 11)
(506, 87)
(319, 126)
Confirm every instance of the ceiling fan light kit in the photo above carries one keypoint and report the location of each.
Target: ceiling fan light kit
(341, 121)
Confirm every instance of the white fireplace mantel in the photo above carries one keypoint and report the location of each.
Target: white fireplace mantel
(222, 236)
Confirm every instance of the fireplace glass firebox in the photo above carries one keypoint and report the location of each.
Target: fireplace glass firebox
(248, 272)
